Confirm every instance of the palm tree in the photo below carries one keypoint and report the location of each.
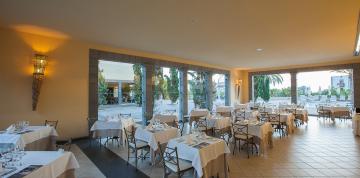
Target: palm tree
(262, 85)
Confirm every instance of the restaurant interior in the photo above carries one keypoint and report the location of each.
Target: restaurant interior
(170, 88)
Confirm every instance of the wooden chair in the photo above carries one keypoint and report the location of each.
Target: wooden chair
(64, 145)
(135, 145)
(241, 133)
(240, 114)
(51, 123)
(323, 112)
(173, 163)
(202, 126)
(224, 133)
(263, 116)
(275, 120)
(91, 122)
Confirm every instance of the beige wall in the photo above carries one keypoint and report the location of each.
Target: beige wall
(64, 94)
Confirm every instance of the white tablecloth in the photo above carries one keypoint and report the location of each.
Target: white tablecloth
(288, 118)
(241, 106)
(219, 122)
(199, 113)
(262, 132)
(152, 137)
(21, 140)
(334, 109)
(199, 157)
(356, 124)
(167, 118)
(54, 163)
(223, 109)
(100, 128)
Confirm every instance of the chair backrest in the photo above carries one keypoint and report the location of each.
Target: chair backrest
(67, 146)
(240, 129)
(125, 115)
(319, 108)
(274, 118)
(201, 123)
(171, 111)
(91, 122)
(263, 115)
(240, 114)
(130, 134)
(51, 123)
(170, 156)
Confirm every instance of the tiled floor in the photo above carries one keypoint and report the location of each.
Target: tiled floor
(318, 149)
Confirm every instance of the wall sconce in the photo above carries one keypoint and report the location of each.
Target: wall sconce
(39, 62)
(238, 84)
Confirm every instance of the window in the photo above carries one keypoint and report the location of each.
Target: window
(273, 88)
(218, 81)
(166, 90)
(119, 90)
(331, 87)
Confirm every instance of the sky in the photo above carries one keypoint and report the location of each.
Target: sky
(310, 79)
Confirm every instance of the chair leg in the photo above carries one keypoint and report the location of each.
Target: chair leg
(247, 148)
(128, 156)
(136, 158)
(234, 146)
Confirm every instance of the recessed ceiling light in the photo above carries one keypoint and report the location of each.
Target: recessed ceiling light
(259, 49)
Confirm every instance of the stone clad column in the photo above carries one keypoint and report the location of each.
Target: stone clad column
(183, 95)
(208, 90)
(293, 87)
(356, 84)
(119, 92)
(227, 89)
(147, 92)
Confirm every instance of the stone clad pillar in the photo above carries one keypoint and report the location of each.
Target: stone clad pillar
(293, 87)
(208, 90)
(119, 92)
(147, 92)
(183, 95)
(227, 89)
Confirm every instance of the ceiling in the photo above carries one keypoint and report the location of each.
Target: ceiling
(223, 33)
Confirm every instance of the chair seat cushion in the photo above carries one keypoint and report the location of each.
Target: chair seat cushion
(139, 144)
(183, 165)
(243, 136)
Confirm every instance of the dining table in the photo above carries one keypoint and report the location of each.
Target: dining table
(43, 164)
(338, 111)
(154, 133)
(207, 154)
(262, 132)
(111, 127)
(196, 114)
(31, 138)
